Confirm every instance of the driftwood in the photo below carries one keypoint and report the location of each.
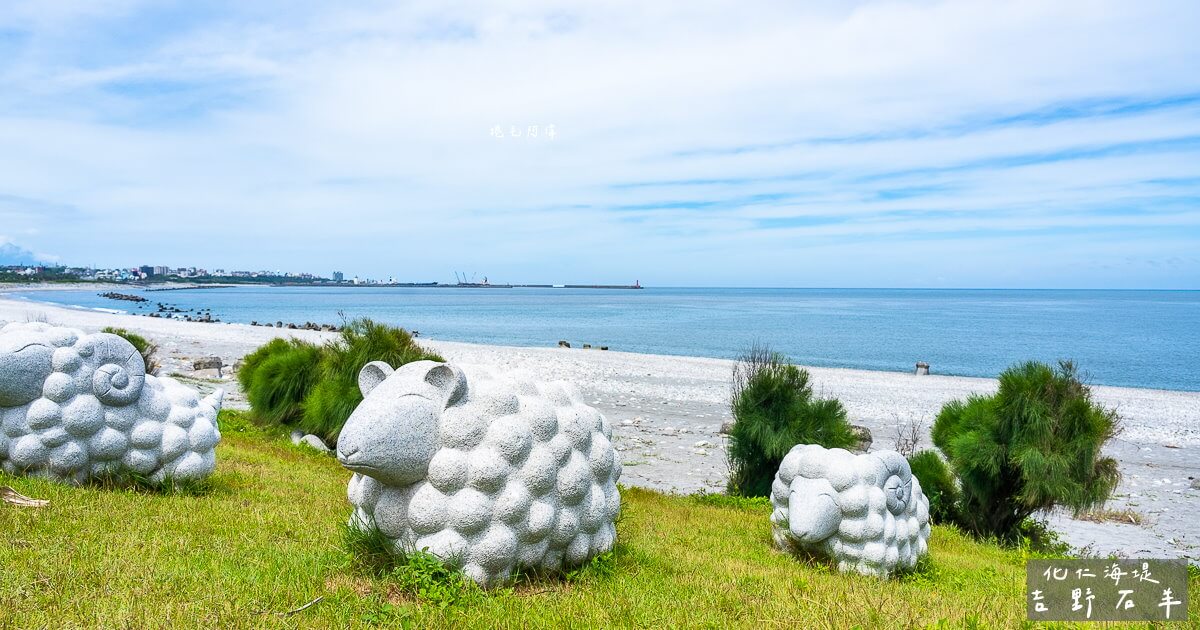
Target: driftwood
(302, 608)
(12, 497)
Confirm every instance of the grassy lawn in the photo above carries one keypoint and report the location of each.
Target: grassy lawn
(264, 537)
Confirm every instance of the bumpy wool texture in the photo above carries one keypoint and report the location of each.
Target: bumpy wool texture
(74, 406)
(500, 473)
(865, 512)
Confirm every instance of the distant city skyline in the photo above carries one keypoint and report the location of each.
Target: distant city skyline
(862, 144)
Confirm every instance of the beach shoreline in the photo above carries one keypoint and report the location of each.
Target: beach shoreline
(667, 411)
(29, 292)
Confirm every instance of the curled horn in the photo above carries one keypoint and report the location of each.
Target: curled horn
(122, 372)
(898, 485)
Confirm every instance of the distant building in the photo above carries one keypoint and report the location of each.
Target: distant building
(339, 276)
(161, 270)
(146, 270)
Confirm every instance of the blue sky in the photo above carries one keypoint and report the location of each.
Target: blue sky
(877, 144)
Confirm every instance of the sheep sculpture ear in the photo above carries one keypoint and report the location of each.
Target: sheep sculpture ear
(371, 375)
(449, 380)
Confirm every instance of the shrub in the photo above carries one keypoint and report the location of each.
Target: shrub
(938, 483)
(774, 409)
(1034, 445)
(278, 377)
(144, 346)
(336, 394)
(315, 387)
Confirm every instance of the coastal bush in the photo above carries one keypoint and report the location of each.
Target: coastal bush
(938, 484)
(315, 387)
(774, 409)
(145, 347)
(1034, 445)
(278, 377)
(335, 393)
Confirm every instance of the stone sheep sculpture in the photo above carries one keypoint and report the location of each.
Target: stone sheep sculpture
(74, 406)
(489, 474)
(865, 512)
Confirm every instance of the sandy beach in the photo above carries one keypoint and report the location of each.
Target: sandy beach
(667, 412)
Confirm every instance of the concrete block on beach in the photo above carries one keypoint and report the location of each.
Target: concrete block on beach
(74, 406)
(866, 513)
(489, 474)
(863, 438)
(208, 363)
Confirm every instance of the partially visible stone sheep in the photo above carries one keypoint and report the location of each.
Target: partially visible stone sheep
(489, 474)
(74, 406)
(865, 512)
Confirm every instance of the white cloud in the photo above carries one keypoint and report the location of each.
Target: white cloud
(311, 136)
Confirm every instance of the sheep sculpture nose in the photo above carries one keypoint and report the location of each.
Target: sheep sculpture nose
(344, 453)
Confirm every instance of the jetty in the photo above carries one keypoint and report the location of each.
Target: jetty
(125, 297)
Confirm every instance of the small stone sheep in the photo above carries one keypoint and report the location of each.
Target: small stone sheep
(490, 476)
(865, 512)
(74, 406)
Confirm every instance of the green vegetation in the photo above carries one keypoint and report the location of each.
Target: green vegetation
(266, 537)
(315, 388)
(1034, 445)
(277, 378)
(732, 501)
(938, 484)
(11, 274)
(774, 409)
(144, 346)
(415, 573)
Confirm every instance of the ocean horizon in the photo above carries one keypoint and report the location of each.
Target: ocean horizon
(1123, 337)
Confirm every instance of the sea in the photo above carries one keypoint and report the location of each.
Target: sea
(1148, 339)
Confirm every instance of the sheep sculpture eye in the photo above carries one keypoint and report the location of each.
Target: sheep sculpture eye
(865, 512)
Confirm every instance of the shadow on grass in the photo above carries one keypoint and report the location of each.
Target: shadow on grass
(133, 481)
(419, 576)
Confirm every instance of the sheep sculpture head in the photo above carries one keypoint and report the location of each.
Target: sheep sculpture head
(865, 512)
(74, 406)
(489, 475)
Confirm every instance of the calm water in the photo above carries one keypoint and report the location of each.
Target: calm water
(1131, 338)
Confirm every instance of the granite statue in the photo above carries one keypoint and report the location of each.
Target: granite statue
(487, 473)
(74, 406)
(866, 513)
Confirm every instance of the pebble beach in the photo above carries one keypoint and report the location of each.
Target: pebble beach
(667, 413)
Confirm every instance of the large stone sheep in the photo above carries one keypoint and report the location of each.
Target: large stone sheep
(865, 512)
(489, 475)
(74, 406)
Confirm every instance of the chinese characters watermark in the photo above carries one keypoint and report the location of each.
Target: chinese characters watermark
(526, 132)
(1106, 590)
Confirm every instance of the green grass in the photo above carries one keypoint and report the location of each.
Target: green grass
(266, 535)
